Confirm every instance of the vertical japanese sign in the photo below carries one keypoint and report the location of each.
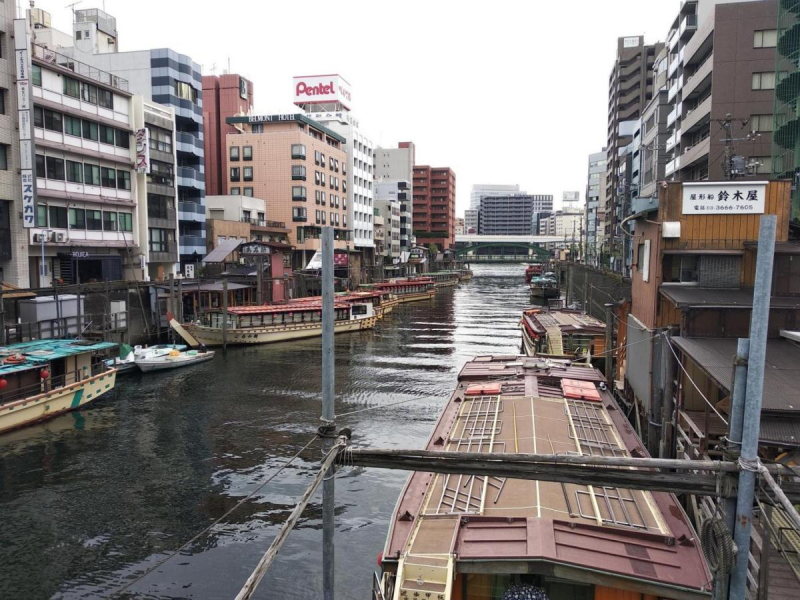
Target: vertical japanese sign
(142, 150)
(22, 62)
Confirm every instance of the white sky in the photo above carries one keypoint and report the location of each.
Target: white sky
(501, 92)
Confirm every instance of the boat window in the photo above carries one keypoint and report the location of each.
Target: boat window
(359, 309)
(298, 317)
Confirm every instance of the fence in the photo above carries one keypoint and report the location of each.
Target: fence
(52, 383)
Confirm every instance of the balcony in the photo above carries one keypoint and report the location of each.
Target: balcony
(697, 116)
(191, 211)
(673, 91)
(672, 140)
(189, 177)
(673, 66)
(699, 151)
(166, 252)
(264, 224)
(700, 79)
(672, 41)
(673, 114)
(672, 166)
(193, 243)
(190, 143)
(688, 27)
(70, 64)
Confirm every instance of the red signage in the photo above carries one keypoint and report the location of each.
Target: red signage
(314, 90)
(340, 260)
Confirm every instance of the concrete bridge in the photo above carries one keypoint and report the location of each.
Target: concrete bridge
(503, 248)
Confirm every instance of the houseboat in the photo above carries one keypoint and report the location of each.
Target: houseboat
(465, 274)
(382, 304)
(278, 323)
(544, 287)
(42, 379)
(532, 271)
(445, 278)
(563, 333)
(458, 537)
(408, 290)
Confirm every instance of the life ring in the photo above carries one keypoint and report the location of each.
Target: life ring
(14, 359)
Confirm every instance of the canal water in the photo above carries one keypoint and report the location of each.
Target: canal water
(90, 500)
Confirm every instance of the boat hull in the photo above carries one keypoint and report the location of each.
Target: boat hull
(538, 292)
(416, 297)
(163, 363)
(41, 407)
(212, 336)
(527, 342)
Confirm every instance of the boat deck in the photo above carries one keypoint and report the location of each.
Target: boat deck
(447, 522)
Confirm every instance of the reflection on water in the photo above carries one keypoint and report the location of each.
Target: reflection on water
(91, 499)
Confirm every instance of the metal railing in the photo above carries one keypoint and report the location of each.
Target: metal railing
(79, 68)
(264, 223)
(52, 383)
(66, 327)
(377, 592)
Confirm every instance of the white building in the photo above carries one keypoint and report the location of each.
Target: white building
(387, 201)
(327, 100)
(397, 165)
(471, 220)
(483, 190)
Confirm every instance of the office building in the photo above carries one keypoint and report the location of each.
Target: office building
(388, 199)
(630, 88)
(397, 164)
(378, 232)
(298, 167)
(595, 204)
(14, 238)
(223, 96)
(512, 215)
(721, 62)
(482, 190)
(472, 220)
(327, 99)
(459, 226)
(434, 217)
(164, 77)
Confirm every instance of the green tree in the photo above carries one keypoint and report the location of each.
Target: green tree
(433, 249)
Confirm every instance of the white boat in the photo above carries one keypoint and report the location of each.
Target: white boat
(126, 362)
(174, 359)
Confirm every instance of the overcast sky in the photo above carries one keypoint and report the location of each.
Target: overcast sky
(501, 92)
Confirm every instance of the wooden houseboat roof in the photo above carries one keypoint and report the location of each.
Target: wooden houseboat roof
(568, 321)
(405, 283)
(342, 297)
(40, 352)
(279, 308)
(532, 405)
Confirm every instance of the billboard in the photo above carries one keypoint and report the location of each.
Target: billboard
(316, 89)
(726, 197)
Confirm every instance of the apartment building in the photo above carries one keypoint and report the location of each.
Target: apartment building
(721, 62)
(434, 206)
(511, 215)
(472, 220)
(164, 77)
(223, 96)
(379, 233)
(483, 190)
(242, 217)
(397, 164)
(630, 87)
(300, 168)
(595, 202)
(389, 196)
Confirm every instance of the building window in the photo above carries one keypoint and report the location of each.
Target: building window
(72, 87)
(298, 192)
(109, 221)
(94, 220)
(3, 157)
(316, 157)
(248, 191)
(235, 174)
(77, 218)
(90, 131)
(161, 140)
(247, 173)
(159, 207)
(761, 123)
(105, 98)
(185, 92)
(322, 198)
(125, 221)
(72, 126)
(317, 217)
(54, 168)
(299, 213)
(108, 177)
(53, 121)
(3, 92)
(91, 174)
(298, 172)
(247, 153)
(36, 75)
(298, 151)
(235, 191)
(38, 116)
(107, 135)
(89, 93)
(680, 268)
(58, 216)
(322, 214)
(123, 180)
(123, 139)
(159, 239)
(234, 153)
(41, 215)
(74, 172)
(764, 80)
(160, 172)
(765, 38)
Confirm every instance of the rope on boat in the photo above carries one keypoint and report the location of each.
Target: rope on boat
(216, 522)
(269, 556)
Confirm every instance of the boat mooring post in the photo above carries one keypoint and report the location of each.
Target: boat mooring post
(751, 423)
(328, 412)
(225, 311)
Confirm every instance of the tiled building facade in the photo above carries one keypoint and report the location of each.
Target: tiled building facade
(434, 191)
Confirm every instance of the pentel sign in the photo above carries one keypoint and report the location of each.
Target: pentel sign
(316, 89)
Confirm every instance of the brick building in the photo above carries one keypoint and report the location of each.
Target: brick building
(223, 96)
(434, 219)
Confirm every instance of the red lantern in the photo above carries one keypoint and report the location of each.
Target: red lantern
(44, 373)
(380, 559)
(3, 383)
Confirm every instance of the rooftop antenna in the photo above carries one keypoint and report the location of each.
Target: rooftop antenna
(72, 6)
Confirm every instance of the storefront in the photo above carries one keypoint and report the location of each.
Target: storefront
(81, 266)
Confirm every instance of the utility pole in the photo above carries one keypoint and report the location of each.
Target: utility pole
(609, 363)
(225, 311)
(260, 280)
(751, 424)
(328, 411)
(737, 413)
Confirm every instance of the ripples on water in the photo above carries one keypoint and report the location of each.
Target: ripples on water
(93, 498)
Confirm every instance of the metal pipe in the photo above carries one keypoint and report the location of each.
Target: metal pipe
(328, 411)
(759, 322)
(737, 413)
(224, 311)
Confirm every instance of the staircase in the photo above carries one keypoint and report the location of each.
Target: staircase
(425, 576)
(554, 340)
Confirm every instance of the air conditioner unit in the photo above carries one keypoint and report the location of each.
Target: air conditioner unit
(38, 238)
(61, 237)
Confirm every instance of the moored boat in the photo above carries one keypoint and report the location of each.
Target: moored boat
(42, 379)
(544, 287)
(174, 359)
(458, 537)
(409, 289)
(125, 363)
(445, 278)
(563, 333)
(382, 304)
(278, 323)
(532, 271)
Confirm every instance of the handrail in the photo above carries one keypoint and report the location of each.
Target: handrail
(67, 62)
(51, 383)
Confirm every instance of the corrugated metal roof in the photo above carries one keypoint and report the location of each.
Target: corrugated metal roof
(221, 252)
(780, 431)
(688, 295)
(781, 375)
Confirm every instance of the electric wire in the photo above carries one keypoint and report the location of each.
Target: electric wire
(702, 395)
(214, 523)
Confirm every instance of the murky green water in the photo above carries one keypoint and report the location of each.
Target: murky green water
(91, 499)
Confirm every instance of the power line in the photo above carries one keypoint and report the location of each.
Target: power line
(702, 395)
